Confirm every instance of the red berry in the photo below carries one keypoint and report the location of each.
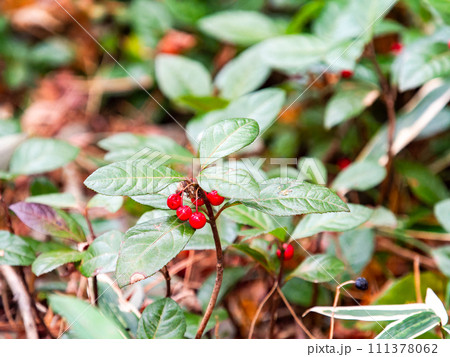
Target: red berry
(199, 200)
(448, 44)
(343, 163)
(214, 198)
(184, 212)
(396, 48)
(288, 251)
(346, 73)
(197, 220)
(174, 201)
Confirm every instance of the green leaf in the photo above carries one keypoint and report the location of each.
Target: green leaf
(179, 76)
(85, 320)
(226, 137)
(255, 254)
(149, 246)
(349, 19)
(59, 200)
(53, 52)
(162, 319)
(48, 220)
(231, 277)
(230, 80)
(202, 104)
(110, 203)
(157, 200)
(290, 197)
(14, 250)
(49, 261)
(262, 106)
(251, 217)
(425, 59)
(228, 182)
(424, 184)
(382, 217)
(442, 213)
(442, 257)
(126, 146)
(239, 27)
(319, 268)
(38, 155)
(360, 176)
(371, 312)
(349, 101)
(193, 321)
(101, 256)
(435, 304)
(411, 326)
(203, 238)
(357, 247)
(426, 110)
(332, 222)
(131, 178)
(294, 53)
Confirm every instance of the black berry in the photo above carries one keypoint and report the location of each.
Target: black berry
(361, 284)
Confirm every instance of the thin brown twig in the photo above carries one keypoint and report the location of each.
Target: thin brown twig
(20, 292)
(258, 312)
(388, 96)
(165, 272)
(294, 315)
(336, 299)
(219, 268)
(417, 278)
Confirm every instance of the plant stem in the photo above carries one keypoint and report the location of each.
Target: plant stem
(336, 299)
(261, 305)
(219, 267)
(388, 96)
(275, 300)
(90, 239)
(165, 272)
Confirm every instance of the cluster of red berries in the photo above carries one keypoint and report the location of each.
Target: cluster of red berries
(196, 219)
(288, 252)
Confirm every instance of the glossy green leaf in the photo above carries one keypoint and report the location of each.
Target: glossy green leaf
(290, 197)
(101, 256)
(231, 277)
(424, 59)
(38, 155)
(251, 217)
(239, 27)
(262, 106)
(294, 52)
(357, 247)
(14, 250)
(149, 246)
(193, 321)
(131, 178)
(371, 312)
(334, 222)
(349, 101)
(319, 268)
(442, 257)
(427, 186)
(382, 217)
(349, 19)
(226, 137)
(442, 213)
(203, 238)
(229, 183)
(48, 220)
(85, 320)
(158, 199)
(162, 319)
(49, 261)
(124, 146)
(178, 76)
(411, 326)
(202, 104)
(360, 176)
(243, 74)
(59, 200)
(110, 203)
